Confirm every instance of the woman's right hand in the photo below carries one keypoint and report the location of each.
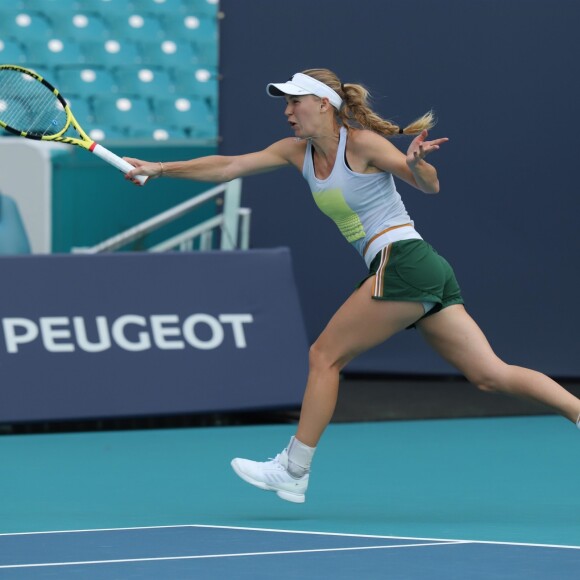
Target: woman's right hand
(151, 169)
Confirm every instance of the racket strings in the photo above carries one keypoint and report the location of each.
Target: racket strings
(29, 106)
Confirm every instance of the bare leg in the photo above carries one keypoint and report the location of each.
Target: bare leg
(459, 340)
(358, 325)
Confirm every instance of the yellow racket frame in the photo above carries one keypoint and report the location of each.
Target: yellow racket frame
(85, 141)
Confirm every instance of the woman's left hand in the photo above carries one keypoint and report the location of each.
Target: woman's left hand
(419, 148)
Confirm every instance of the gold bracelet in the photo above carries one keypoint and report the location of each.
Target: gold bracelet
(162, 168)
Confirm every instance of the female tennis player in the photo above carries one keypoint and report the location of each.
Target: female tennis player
(342, 148)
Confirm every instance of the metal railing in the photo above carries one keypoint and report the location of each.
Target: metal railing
(234, 223)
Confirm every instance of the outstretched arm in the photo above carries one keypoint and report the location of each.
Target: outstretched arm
(216, 168)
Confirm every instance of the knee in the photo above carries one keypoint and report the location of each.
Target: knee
(487, 386)
(321, 358)
(491, 379)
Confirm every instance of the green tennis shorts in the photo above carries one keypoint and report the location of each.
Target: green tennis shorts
(412, 271)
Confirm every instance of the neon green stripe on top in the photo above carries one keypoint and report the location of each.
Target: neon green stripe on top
(332, 203)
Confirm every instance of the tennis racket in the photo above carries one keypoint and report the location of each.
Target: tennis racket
(31, 107)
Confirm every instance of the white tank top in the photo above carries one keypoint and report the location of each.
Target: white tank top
(366, 207)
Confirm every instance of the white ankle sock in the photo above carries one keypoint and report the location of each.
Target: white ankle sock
(299, 457)
(578, 422)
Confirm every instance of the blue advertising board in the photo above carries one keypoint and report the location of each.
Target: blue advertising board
(130, 334)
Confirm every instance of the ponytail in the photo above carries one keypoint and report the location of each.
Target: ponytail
(356, 111)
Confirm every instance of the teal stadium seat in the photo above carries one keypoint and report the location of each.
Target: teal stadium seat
(107, 8)
(200, 7)
(100, 133)
(121, 112)
(85, 81)
(52, 9)
(159, 7)
(190, 26)
(136, 27)
(208, 53)
(46, 72)
(208, 8)
(156, 133)
(12, 52)
(26, 26)
(82, 110)
(189, 114)
(143, 81)
(196, 81)
(53, 52)
(111, 53)
(104, 6)
(81, 26)
(169, 53)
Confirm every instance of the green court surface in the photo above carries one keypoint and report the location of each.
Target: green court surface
(492, 479)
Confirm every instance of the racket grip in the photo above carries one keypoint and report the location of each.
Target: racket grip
(115, 161)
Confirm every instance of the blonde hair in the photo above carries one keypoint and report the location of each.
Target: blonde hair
(356, 111)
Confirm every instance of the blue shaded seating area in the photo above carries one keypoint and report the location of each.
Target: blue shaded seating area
(119, 62)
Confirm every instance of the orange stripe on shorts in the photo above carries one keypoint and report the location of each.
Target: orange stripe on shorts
(380, 275)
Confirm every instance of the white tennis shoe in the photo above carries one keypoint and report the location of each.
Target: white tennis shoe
(273, 476)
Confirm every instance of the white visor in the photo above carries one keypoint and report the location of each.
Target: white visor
(301, 84)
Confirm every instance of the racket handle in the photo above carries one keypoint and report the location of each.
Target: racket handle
(115, 161)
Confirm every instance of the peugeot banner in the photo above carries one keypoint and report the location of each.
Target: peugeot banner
(129, 334)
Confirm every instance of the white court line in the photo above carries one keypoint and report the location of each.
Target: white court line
(179, 526)
(242, 554)
(85, 531)
(441, 540)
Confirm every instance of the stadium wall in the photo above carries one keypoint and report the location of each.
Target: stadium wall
(92, 201)
(71, 199)
(498, 74)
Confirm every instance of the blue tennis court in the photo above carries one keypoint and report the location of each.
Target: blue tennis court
(461, 498)
(221, 552)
